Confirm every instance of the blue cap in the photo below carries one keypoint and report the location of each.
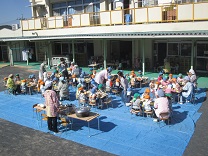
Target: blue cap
(55, 79)
(129, 89)
(91, 69)
(165, 78)
(160, 73)
(93, 90)
(109, 77)
(139, 71)
(109, 69)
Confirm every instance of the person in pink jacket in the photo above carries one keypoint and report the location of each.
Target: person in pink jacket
(102, 76)
(161, 104)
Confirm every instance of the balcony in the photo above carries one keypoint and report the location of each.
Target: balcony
(157, 14)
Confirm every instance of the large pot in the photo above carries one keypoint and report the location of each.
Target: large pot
(71, 108)
(82, 111)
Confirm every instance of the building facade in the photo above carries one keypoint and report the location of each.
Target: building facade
(139, 34)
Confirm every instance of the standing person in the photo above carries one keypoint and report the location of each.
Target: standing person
(62, 68)
(102, 76)
(42, 70)
(11, 85)
(63, 87)
(123, 83)
(52, 104)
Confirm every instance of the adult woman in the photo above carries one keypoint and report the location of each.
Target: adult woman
(11, 85)
(52, 104)
(102, 76)
(42, 70)
(63, 87)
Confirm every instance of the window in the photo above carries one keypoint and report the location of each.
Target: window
(65, 48)
(61, 48)
(186, 49)
(78, 10)
(202, 49)
(173, 49)
(58, 5)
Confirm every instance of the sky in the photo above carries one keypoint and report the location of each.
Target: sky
(11, 10)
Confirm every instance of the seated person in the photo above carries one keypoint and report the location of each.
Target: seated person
(133, 81)
(180, 79)
(192, 77)
(17, 82)
(93, 96)
(63, 88)
(108, 84)
(146, 92)
(146, 103)
(167, 67)
(136, 104)
(74, 80)
(79, 88)
(23, 86)
(139, 73)
(42, 87)
(187, 90)
(161, 105)
(82, 97)
(11, 85)
(160, 77)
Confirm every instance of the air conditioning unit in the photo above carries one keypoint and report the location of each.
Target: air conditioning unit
(15, 27)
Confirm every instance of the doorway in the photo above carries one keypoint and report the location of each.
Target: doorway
(162, 53)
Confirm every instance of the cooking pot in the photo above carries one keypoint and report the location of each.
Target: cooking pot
(82, 111)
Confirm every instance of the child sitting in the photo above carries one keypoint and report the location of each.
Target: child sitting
(92, 96)
(23, 86)
(146, 103)
(109, 84)
(136, 107)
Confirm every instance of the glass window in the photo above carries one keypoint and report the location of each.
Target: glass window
(173, 49)
(88, 8)
(71, 11)
(57, 49)
(58, 5)
(186, 49)
(71, 2)
(202, 49)
(88, 1)
(202, 64)
(56, 12)
(78, 10)
(65, 48)
(78, 2)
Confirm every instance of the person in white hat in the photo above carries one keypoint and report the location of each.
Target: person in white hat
(52, 107)
(187, 90)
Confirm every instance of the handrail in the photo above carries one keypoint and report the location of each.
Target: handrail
(140, 15)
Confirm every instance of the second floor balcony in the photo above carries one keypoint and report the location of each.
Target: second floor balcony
(190, 12)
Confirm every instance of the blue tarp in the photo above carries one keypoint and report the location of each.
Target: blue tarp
(120, 132)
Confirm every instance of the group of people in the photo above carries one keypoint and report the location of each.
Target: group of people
(92, 85)
(162, 92)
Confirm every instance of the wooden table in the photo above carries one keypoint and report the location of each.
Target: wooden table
(91, 117)
(37, 109)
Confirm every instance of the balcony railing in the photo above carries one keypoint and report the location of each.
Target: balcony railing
(155, 14)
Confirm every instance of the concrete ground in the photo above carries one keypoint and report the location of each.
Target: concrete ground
(18, 140)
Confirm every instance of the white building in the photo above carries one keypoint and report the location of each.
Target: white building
(143, 32)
